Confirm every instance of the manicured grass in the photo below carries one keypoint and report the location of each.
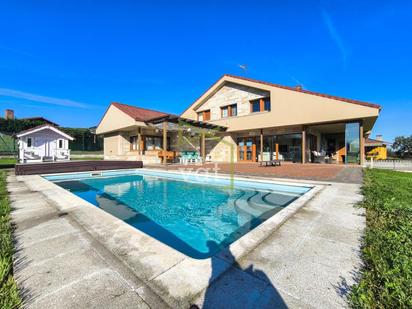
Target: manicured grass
(386, 280)
(86, 159)
(9, 296)
(7, 161)
(74, 152)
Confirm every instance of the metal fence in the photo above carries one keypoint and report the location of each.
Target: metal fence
(390, 164)
(8, 144)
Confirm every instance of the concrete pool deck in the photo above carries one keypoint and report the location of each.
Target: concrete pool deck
(72, 255)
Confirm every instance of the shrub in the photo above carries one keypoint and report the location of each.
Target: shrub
(9, 296)
(386, 279)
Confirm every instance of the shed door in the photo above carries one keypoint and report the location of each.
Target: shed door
(44, 146)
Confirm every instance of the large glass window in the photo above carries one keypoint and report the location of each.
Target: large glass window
(352, 142)
(290, 147)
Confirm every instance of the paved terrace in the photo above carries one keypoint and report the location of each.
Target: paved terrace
(319, 172)
(306, 263)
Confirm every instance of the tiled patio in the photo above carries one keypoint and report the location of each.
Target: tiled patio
(319, 172)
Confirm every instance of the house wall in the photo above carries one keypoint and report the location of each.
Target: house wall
(377, 153)
(115, 120)
(288, 107)
(232, 94)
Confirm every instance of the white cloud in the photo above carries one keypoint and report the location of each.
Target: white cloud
(337, 39)
(40, 98)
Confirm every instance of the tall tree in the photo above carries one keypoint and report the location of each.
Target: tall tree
(403, 145)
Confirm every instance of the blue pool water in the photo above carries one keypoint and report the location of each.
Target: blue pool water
(195, 215)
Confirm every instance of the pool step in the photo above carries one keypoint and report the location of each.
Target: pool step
(267, 200)
(254, 204)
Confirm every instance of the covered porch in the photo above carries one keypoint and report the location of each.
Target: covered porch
(163, 140)
(332, 143)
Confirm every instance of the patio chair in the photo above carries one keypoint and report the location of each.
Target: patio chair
(318, 157)
(269, 163)
(186, 157)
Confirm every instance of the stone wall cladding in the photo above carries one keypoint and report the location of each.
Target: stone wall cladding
(220, 151)
(232, 94)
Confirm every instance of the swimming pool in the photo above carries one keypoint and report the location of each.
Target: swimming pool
(195, 215)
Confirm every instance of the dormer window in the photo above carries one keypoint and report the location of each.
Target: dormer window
(260, 105)
(229, 110)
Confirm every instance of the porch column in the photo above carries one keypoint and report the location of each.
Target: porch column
(303, 145)
(361, 144)
(277, 151)
(203, 146)
(164, 142)
(139, 141)
(261, 145)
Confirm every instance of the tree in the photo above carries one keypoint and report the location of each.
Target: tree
(403, 146)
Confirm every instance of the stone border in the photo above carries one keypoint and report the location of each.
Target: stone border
(175, 277)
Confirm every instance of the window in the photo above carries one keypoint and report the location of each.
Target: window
(133, 142)
(260, 105)
(255, 106)
(153, 142)
(234, 110)
(203, 115)
(60, 143)
(225, 111)
(229, 110)
(29, 142)
(267, 104)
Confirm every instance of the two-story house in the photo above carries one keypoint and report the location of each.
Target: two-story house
(251, 120)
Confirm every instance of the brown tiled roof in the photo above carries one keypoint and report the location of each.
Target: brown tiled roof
(138, 113)
(298, 89)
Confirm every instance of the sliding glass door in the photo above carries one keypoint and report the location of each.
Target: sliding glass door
(246, 149)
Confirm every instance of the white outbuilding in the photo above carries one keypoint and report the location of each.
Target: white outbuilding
(43, 143)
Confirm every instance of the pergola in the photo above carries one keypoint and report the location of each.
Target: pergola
(170, 123)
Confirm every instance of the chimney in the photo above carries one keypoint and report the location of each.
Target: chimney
(379, 137)
(9, 114)
(298, 87)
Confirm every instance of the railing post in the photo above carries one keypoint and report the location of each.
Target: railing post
(371, 162)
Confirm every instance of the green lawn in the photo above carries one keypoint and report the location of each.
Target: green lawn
(386, 280)
(4, 161)
(74, 152)
(87, 159)
(9, 296)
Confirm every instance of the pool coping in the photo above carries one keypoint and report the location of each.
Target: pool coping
(178, 279)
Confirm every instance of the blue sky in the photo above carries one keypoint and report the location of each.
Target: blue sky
(68, 60)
